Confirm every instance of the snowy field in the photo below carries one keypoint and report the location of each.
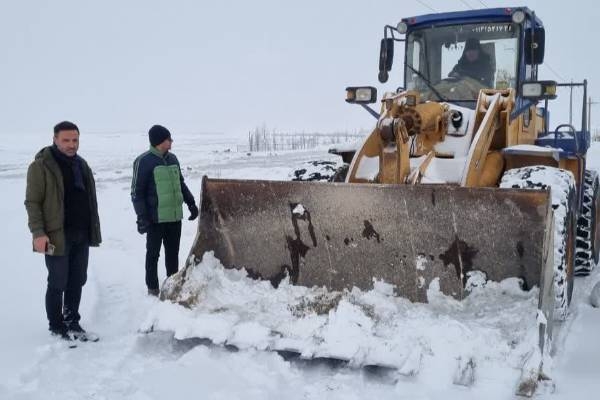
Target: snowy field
(129, 364)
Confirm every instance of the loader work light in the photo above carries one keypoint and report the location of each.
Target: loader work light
(361, 95)
(402, 27)
(518, 16)
(539, 90)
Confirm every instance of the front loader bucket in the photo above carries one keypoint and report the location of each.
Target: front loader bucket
(345, 235)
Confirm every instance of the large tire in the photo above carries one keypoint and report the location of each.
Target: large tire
(588, 235)
(563, 193)
(311, 171)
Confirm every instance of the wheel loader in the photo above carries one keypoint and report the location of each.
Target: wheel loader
(461, 174)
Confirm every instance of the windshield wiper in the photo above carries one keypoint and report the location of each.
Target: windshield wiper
(427, 82)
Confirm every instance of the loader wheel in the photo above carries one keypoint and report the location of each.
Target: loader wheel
(562, 185)
(588, 235)
(315, 171)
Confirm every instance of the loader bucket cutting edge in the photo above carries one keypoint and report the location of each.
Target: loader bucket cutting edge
(345, 235)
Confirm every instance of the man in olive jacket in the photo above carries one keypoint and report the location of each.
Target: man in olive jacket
(157, 192)
(63, 219)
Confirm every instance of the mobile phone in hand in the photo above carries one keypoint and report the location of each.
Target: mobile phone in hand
(49, 249)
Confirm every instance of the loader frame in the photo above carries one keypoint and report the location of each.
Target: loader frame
(392, 227)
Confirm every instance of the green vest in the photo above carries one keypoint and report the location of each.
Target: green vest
(168, 191)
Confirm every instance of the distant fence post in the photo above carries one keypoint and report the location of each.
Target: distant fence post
(261, 139)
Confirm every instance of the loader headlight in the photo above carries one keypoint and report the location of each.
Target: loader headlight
(361, 95)
(539, 90)
(402, 27)
(518, 16)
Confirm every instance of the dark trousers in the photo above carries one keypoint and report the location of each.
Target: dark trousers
(168, 233)
(66, 276)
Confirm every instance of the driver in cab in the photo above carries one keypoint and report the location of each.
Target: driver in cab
(474, 63)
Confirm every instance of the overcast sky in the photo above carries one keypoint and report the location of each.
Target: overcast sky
(228, 66)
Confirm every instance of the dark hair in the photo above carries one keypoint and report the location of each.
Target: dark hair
(65, 126)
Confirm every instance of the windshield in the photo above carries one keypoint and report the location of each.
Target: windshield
(455, 62)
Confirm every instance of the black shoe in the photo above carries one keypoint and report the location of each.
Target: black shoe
(78, 333)
(153, 292)
(81, 334)
(75, 327)
(63, 334)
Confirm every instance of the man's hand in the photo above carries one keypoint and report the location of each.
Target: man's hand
(193, 211)
(40, 243)
(142, 225)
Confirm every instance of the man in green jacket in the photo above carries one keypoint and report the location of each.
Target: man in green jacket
(63, 219)
(157, 192)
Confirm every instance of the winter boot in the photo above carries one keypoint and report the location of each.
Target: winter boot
(81, 334)
(63, 334)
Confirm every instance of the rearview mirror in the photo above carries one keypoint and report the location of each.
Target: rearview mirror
(386, 58)
(534, 46)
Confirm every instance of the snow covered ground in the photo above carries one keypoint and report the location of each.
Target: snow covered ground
(129, 364)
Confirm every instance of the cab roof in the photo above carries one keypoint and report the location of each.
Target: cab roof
(470, 16)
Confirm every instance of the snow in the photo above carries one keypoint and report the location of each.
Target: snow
(368, 168)
(299, 210)
(530, 148)
(441, 170)
(321, 169)
(494, 326)
(364, 328)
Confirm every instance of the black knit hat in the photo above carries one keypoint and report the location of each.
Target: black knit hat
(472, 44)
(158, 134)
